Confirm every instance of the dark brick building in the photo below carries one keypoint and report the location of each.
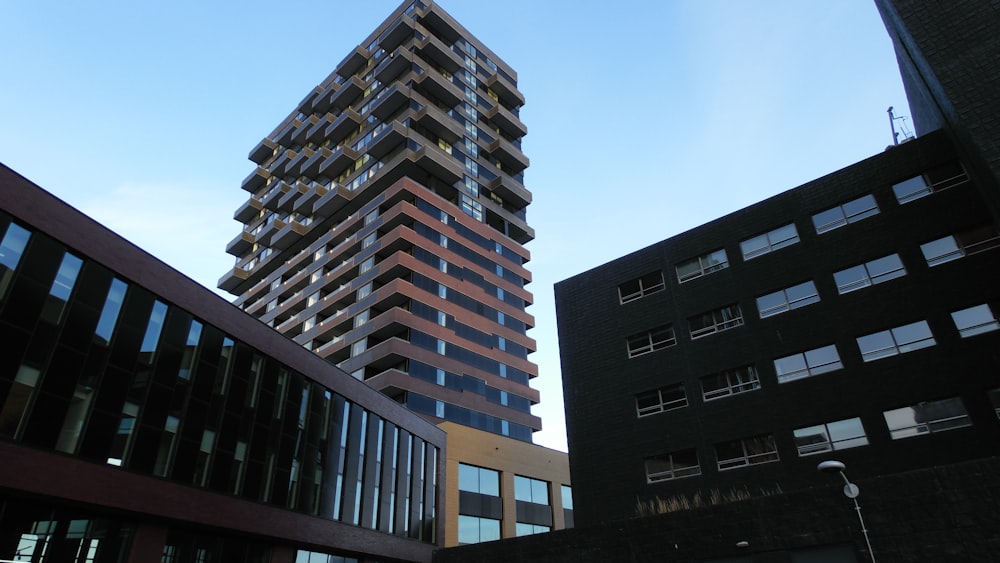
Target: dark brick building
(853, 317)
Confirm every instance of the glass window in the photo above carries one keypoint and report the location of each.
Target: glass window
(531, 490)
(807, 364)
(472, 529)
(899, 340)
(701, 265)
(934, 180)
(718, 320)
(747, 451)
(911, 189)
(11, 248)
(154, 327)
(975, 320)
(850, 212)
(729, 382)
(478, 480)
(112, 307)
(941, 250)
(870, 273)
(926, 417)
(762, 244)
(838, 435)
(650, 341)
(567, 497)
(524, 529)
(12, 413)
(787, 299)
(640, 287)
(660, 400)
(962, 244)
(994, 395)
(674, 465)
(62, 287)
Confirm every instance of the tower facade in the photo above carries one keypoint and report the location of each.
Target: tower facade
(386, 221)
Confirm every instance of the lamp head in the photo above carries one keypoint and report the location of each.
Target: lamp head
(831, 466)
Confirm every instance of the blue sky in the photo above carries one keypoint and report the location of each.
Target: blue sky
(645, 117)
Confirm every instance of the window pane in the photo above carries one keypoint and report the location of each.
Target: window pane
(489, 482)
(112, 306)
(812, 440)
(539, 492)
(802, 295)
(828, 220)
(911, 189)
(913, 336)
(522, 488)
(876, 346)
(12, 245)
(771, 304)
(754, 247)
(851, 279)
(975, 320)
(847, 433)
(783, 236)
(468, 478)
(942, 250)
(860, 208)
(790, 366)
(822, 360)
(885, 268)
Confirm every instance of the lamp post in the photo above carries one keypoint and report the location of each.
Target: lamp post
(851, 491)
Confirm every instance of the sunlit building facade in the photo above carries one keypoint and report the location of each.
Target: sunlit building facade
(385, 225)
(143, 418)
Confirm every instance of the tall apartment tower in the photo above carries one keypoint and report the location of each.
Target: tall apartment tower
(386, 222)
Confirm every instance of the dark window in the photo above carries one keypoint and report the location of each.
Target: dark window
(650, 341)
(729, 382)
(660, 400)
(665, 467)
(718, 320)
(641, 287)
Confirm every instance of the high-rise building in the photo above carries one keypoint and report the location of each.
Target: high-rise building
(143, 418)
(853, 317)
(386, 221)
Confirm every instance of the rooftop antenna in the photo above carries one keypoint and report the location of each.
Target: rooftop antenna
(903, 128)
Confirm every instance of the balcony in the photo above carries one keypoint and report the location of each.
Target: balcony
(256, 180)
(434, 50)
(263, 151)
(506, 120)
(269, 230)
(512, 158)
(318, 129)
(284, 135)
(282, 160)
(439, 123)
(300, 134)
(321, 103)
(295, 164)
(439, 87)
(340, 158)
(346, 122)
(286, 201)
(335, 199)
(438, 163)
(288, 235)
(386, 140)
(393, 65)
(390, 100)
(511, 190)
(397, 32)
(273, 196)
(347, 92)
(250, 209)
(505, 90)
(305, 106)
(311, 166)
(234, 279)
(353, 61)
(240, 244)
(304, 205)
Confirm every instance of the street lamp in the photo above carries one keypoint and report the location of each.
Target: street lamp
(851, 491)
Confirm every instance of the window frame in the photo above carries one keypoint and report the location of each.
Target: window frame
(869, 279)
(970, 330)
(845, 218)
(731, 388)
(703, 269)
(966, 243)
(748, 459)
(771, 244)
(718, 325)
(830, 444)
(788, 303)
(675, 470)
(809, 368)
(644, 287)
(930, 182)
(663, 404)
(943, 424)
(897, 346)
(651, 344)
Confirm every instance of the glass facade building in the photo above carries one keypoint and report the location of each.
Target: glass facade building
(161, 398)
(385, 225)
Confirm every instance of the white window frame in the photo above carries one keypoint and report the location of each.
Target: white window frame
(814, 362)
(653, 341)
(846, 214)
(719, 325)
(644, 289)
(983, 319)
(773, 240)
(738, 380)
(866, 278)
(898, 345)
(832, 437)
(665, 400)
(705, 263)
(810, 296)
(902, 422)
(675, 471)
(749, 457)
